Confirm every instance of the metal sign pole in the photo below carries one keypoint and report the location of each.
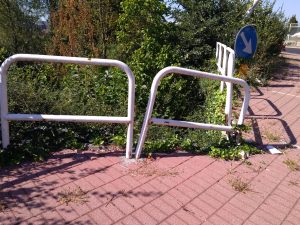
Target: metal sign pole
(250, 11)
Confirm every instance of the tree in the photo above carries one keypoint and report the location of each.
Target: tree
(202, 23)
(145, 41)
(293, 19)
(19, 30)
(105, 15)
(72, 30)
(83, 28)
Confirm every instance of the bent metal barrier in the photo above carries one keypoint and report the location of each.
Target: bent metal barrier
(5, 116)
(225, 57)
(187, 124)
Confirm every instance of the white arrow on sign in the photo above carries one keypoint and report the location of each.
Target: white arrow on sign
(248, 44)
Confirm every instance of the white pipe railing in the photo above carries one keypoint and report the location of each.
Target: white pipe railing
(5, 116)
(165, 122)
(225, 58)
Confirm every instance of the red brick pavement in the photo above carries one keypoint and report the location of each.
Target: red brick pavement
(274, 110)
(174, 189)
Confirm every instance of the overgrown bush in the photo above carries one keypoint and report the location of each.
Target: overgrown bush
(41, 89)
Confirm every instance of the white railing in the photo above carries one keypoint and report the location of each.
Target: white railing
(5, 116)
(148, 120)
(225, 58)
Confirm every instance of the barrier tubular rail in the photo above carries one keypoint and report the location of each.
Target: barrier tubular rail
(5, 116)
(148, 120)
(225, 57)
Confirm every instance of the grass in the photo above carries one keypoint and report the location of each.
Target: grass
(147, 170)
(292, 164)
(239, 185)
(293, 183)
(76, 195)
(271, 136)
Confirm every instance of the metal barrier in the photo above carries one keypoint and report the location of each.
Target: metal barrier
(225, 57)
(5, 116)
(187, 124)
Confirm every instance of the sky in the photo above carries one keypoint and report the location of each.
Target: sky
(290, 7)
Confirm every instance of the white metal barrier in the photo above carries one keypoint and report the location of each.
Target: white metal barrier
(187, 124)
(5, 116)
(225, 57)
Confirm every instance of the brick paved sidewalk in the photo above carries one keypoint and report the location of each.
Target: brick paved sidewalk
(274, 110)
(176, 189)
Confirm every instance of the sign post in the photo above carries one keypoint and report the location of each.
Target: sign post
(250, 11)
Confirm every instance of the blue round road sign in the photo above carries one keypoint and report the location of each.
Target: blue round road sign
(246, 42)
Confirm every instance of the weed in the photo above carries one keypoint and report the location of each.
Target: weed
(248, 163)
(293, 183)
(239, 185)
(230, 150)
(292, 164)
(231, 171)
(272, 136)
(263, 162)
(77, 195)
(148, 170)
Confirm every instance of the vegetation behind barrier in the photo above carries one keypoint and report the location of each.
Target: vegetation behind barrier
(148, 35)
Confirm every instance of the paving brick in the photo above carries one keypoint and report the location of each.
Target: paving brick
(293, 219)
(198, 213)
(7, 218)
(144, 217)
(80, 208)
(278, 211)
(21, 212)
(166, 208)
(175, 220)
(210, 200)
(97, 197)
(130, 181)
(153, 210)
(37, 220)
(100, 217)
(229, 216)
(235, 211)
(215, 219)
(187, 216)
(133, 200)
(203, 206)
(94, 180)
(179, 196)
(84, 185)
(259, 220)
(130, 220)
(125, 207)
(113, 211)
(287, 223)
(223, 189)
(67, 212)
(84, 220)
(194, 186)
(53, 217)
(187, 191)
(169, 199)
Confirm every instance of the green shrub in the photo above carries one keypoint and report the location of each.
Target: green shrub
(42, 89)
(230, 150)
